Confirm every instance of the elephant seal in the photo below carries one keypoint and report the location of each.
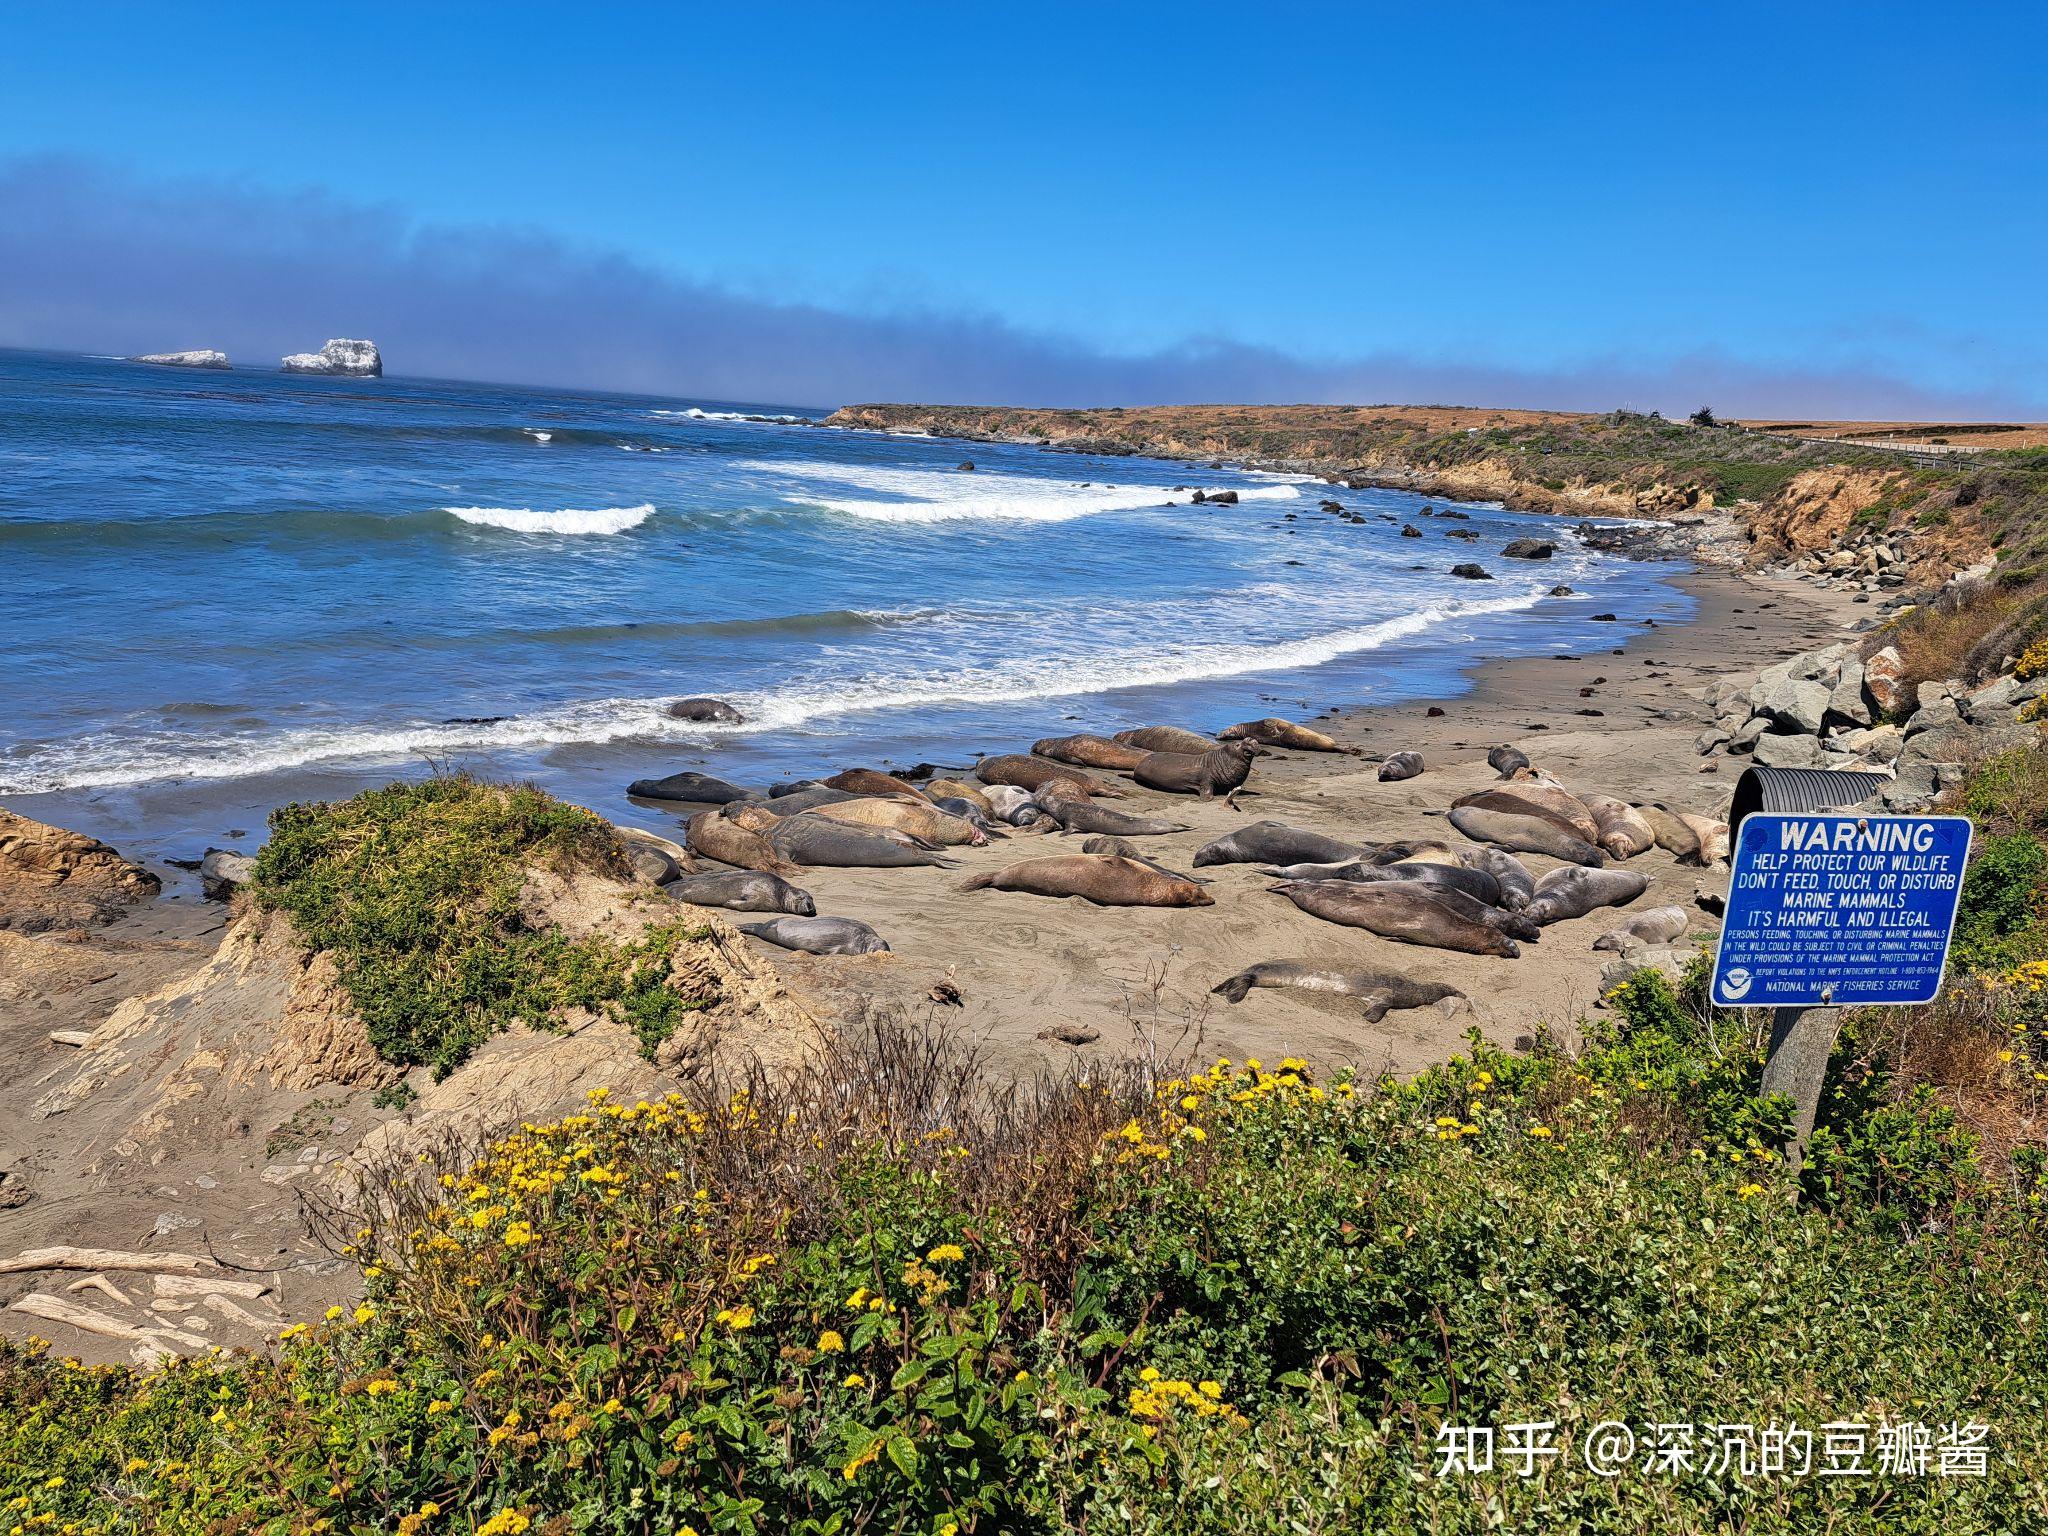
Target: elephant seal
(1476, 883)
(1115, 845)
(1208, 774)
(1378, 990)
(1659, 925)
(1077, 813)
(1274, 732)
(805, 800)
(1167, 738)
(1105, 879)
(813, 839)
(1016, 807)
(820, 935)
(1402, 911)
(713, 711)
(1546, 801)
(1507, 761)
(960, 789)
(920, 818)
(1088, 752)
(743, 891)
(969, 812)
(718, 836)
(1567, 893)
(1274, 842)
(1402, 765)
(1623, 831)
(654, 858)
(1713, 836)
(696, 788)
(1517, 885)
(870, 781)
(1524, 834)
(1034, 773)
(1672, 833)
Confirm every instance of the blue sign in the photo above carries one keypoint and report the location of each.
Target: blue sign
(1840, 909)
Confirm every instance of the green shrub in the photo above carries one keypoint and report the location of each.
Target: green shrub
(1998, 925)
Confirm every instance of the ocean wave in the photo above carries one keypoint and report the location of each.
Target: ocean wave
(697, 413)
(937, 495)
(567, 521)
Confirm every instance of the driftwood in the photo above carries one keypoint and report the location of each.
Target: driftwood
(56, 1309)
(237, 1315)
(106, 1258)
(206, 1285)
(70, 1037)
(101, 1284)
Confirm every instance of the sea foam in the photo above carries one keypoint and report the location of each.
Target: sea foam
(569, 520)
(938, 495)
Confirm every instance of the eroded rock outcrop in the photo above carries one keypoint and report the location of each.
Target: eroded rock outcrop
(199, 359)
(51, 878)
(352, 358)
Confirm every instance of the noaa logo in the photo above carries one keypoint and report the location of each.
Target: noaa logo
(1736, 983)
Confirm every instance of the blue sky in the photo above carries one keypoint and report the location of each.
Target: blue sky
(1841, 200)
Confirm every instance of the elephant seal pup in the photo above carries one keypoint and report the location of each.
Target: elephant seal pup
(1524, 834)
(1034, 773)
(1659, 925)
(1209, 774)
(718, 836)
(1167, 738)
(743, 891)
(1567, 893)
(1547, 801)
(1507, 761)
(1274, 842)
(820, 935)
(1088, 752)
(1116, 845)
(696, 788)
(1623, 832)
(920, 818)
(1077, 813)
(713, 711)
(1015, 806)
(871, 781)
(1104, 879)
(1274, 732)
(960, 789)
(1476, 883)
(1378, 990)
(1400, 910)
(813, 839)
(1402, 765)
(1672, 834)
(1517, 885)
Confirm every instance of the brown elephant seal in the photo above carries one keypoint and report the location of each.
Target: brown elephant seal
(655, 859)
(1517, 885)
(1105, 879)
(711, 711)
(1566, 893)
(820, 935)
(1088, 752)
(813, 839)
(1402, 765)
(1077, 813)
(718, 836)
(1116, 845)
(1167, 738)
(1275, 732)
(1520, 833)
(1399, 910)
(1623, 831)
(1209, 774)
(1548, 801)
(1713, 836)
(1659, 925)
(1476, 883)
(693, 788)
(743, 890)
(1274, 842)
(806, 800)
(960, 789)
(1672, 833)
(1507, 761)
(920, 818)
(872, 781)
(1378, 990)
(1034, 773)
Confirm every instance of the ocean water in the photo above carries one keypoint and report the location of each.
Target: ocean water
(220, 591)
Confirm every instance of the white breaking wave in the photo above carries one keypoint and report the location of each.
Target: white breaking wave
(939, 495)
(537, 435)
(695, 413)
(570, 520)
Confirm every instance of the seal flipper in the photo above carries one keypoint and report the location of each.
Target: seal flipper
(1235, 988)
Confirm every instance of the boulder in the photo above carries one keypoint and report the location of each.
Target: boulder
(343, 356)
(1884, 676)
(1529, 549)
(50, 878)
(1996, 701)
(184, 359)
(1937, 712)
(1848, 702)
(1747, 733)
(1786, 751)
(1793, 704)
(1472, 572)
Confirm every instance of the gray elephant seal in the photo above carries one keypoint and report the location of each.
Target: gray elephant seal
(811, 839)
(1476, 883)
(715, 711)
(1034, 773)
(1077, 813)
(1378, 990)
(1659, 925)
(807, 799)
(960, 789)
(1507, 761)
(1565, 893)
(969, 812)
(1517, 885)
(1105, 879)
(1209, 774)
(718, 836)
(1525, 834)
(1015, 806)
(696, 788)
(743, 891)
(1088, 752)
(1274, 842)
(1275, 732)
(1402, 765)
(1167, 738)
(820, 935)
(1400, 910)
(1115, 845)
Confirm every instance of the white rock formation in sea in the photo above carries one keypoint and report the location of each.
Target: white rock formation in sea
(357, 359)
(184, 359)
